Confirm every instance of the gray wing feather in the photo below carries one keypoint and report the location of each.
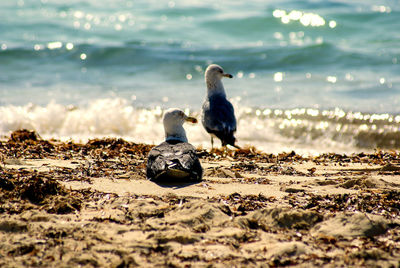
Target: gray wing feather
(218, 115)
(167, 156)
(218, 118)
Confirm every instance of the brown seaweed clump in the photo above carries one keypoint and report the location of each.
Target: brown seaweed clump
(237, 204)
(48, 194)
(385, 203)
(23, 135)
(28, 144)
(37, 188)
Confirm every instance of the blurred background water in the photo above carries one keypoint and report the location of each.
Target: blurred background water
(311, 76)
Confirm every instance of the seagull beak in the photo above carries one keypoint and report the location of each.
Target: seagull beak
(191, 119)
(227, 75)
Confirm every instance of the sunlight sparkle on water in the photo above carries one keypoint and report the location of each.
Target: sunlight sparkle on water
(307, 19)
(331, 79)
(381, 9)
(312, 112)
(79, 14)
(122, 18)
(69, 46)
(38, 47)
(278, 77)
(54, 45)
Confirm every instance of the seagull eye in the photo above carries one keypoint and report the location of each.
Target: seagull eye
(220, 71)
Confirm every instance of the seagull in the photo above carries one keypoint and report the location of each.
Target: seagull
(175, 159)
(218, 116)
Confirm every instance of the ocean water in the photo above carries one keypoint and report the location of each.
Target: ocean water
(310, 76)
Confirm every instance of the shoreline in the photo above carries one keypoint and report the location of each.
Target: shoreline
(66, 204)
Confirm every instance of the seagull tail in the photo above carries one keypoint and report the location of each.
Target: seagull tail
(236, 146)
(231, 141)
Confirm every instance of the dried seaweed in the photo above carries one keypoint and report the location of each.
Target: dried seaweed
(386, 202)
(212, 236)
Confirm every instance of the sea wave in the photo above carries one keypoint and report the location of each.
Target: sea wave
(283, 55)
(253, 57)
(305, 130)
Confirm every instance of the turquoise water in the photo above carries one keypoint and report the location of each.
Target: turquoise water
(325, 56)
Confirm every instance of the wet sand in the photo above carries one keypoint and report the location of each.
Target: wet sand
(69, 204)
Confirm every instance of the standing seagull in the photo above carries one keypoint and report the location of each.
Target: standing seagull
(218, 116)
(175, 158)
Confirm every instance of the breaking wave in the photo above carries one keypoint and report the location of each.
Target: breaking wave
(304, 130)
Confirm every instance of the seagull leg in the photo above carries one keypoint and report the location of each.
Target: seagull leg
(225, 150)
(212, 143)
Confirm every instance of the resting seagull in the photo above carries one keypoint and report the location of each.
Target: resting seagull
(175, 158)
(218, 116)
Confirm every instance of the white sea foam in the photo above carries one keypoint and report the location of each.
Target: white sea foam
(306, 131)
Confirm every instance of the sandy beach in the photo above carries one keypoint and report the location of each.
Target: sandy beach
(65, 204)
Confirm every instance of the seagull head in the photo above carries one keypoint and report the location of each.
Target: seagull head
(215, 71)
(213, 75)
(173, 124)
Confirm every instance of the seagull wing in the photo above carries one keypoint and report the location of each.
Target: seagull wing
(218, 118)
(173, 160)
